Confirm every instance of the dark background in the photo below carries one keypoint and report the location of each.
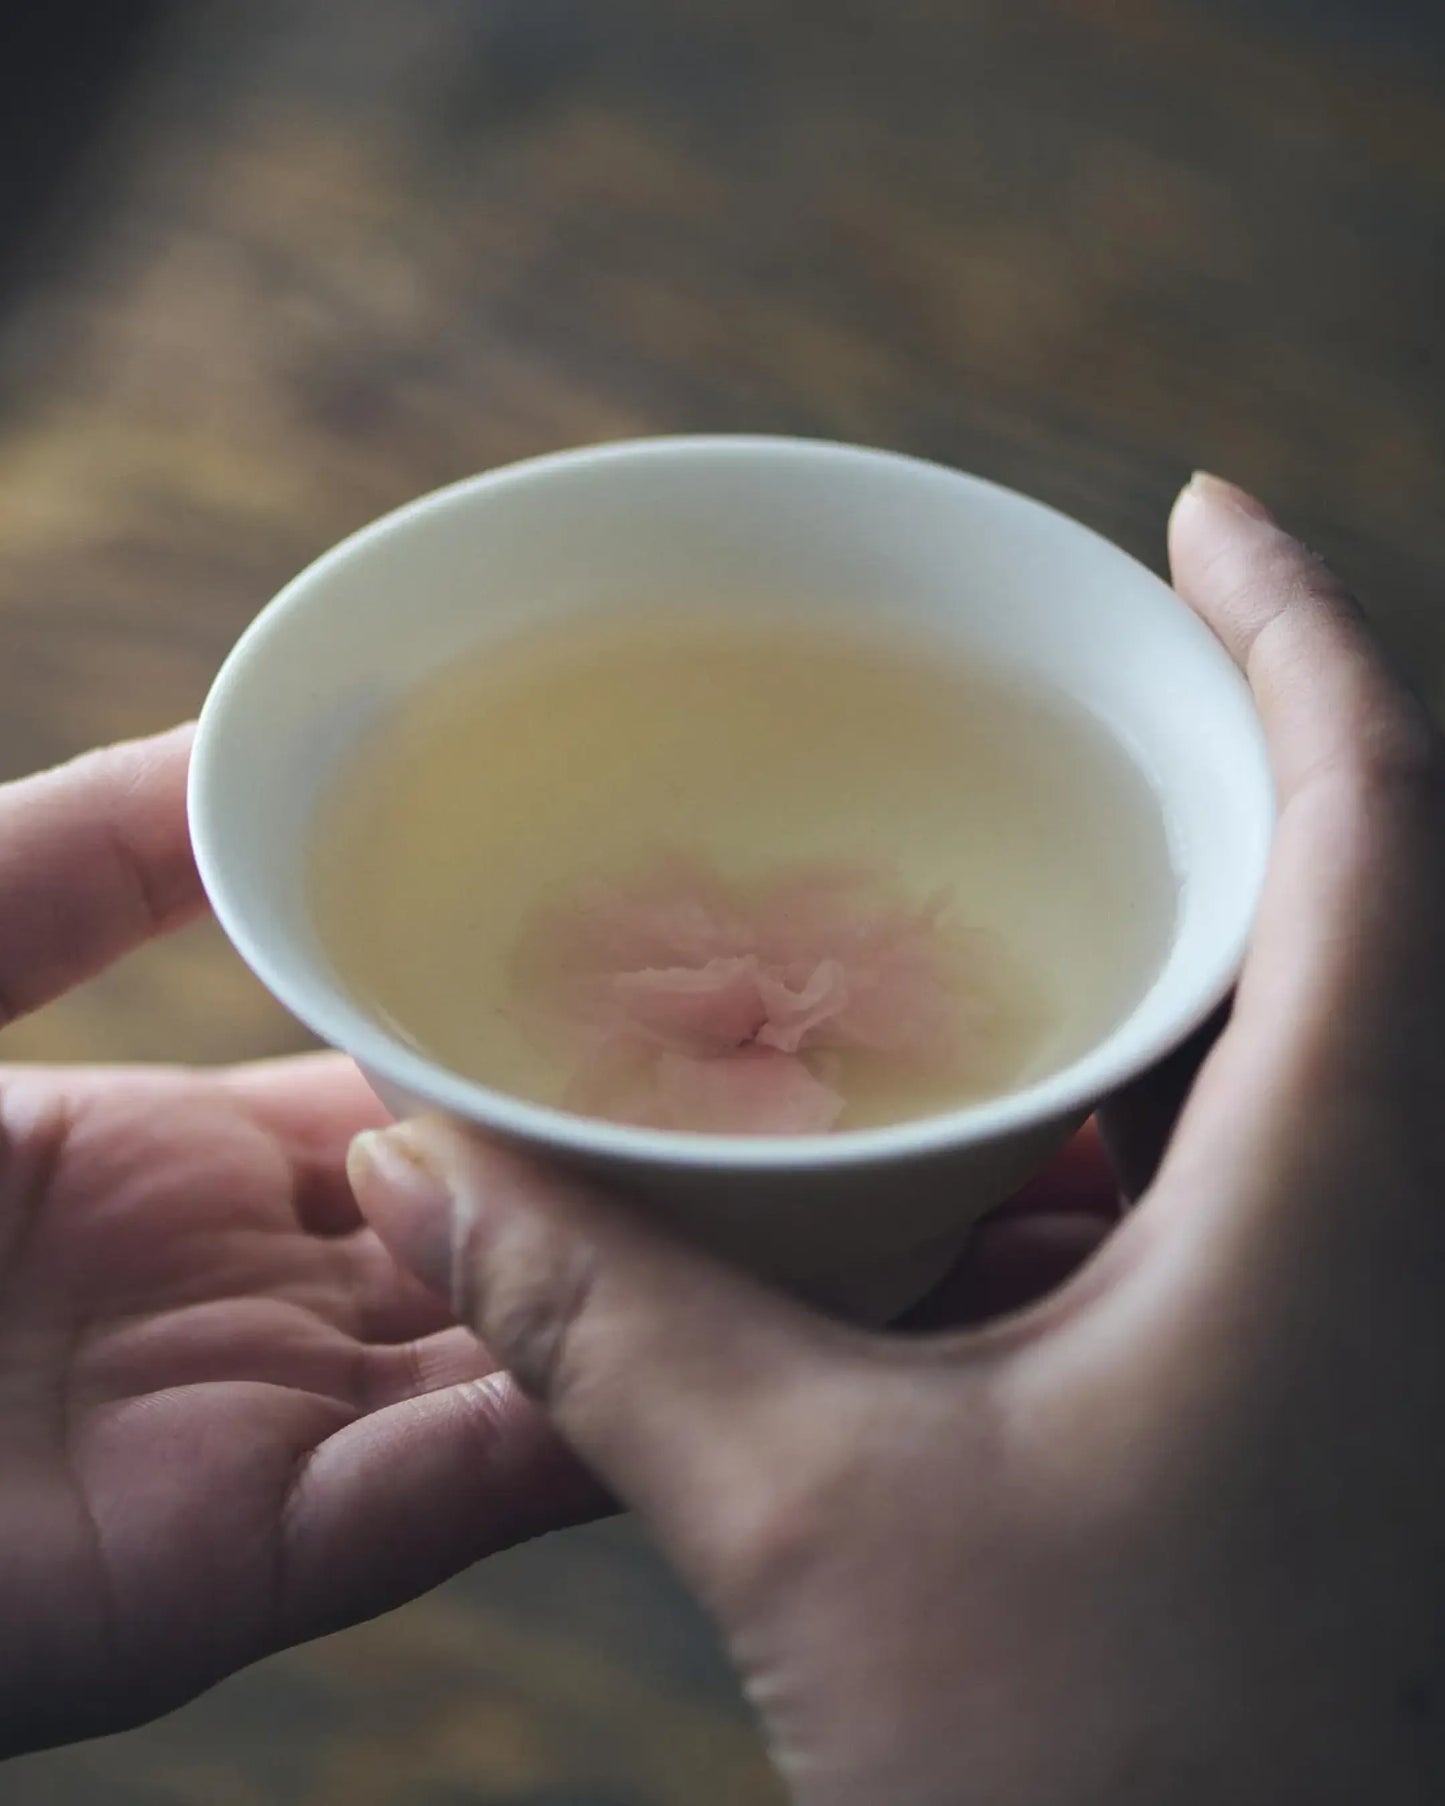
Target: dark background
(268, 267)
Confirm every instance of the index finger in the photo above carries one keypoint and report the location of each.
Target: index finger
(95, 857)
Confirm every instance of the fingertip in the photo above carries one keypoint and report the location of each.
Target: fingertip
(407, 1197)
(1206, 491)
(1238, 568)
(1213, 526)
(97, 859)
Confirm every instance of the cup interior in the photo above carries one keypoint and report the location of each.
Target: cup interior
(870, 539)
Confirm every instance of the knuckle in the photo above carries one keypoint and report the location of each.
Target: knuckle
(486, 1410)
(1408, 756)
(1399, 761)
(35, 1130)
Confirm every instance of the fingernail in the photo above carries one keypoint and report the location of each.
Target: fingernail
(1227, 495)
(400, 1182)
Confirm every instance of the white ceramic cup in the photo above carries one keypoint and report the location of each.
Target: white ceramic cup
(864, 1222)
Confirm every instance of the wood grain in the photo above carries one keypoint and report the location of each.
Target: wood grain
(278, 265)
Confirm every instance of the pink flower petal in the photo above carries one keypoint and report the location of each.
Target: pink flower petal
(814, 913)
(795, 1012)
(905, 1002)
(681, 915)
(755, 1091)
(689, 1004)
(709, 1009)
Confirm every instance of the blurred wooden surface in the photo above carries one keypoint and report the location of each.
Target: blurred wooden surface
(272, 266)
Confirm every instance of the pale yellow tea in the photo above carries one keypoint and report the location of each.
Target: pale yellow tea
(741, 877)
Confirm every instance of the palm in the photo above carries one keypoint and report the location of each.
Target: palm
(227, 1421)
(231, 1421)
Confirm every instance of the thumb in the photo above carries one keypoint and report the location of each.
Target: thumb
(681, 1382)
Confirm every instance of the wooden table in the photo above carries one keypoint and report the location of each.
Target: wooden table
(272, 266)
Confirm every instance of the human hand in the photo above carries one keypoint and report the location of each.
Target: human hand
(1176, 1532)
(228, 1421)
